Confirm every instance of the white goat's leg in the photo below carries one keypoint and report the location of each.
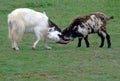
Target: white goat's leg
(14, 45)
(46, 45)
(37, 41)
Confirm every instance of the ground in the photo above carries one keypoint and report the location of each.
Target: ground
(63, 62)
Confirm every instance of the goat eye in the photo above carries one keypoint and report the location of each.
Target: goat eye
(50, 30)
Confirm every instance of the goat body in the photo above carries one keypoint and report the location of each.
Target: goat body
(24, 20)
(82, 26)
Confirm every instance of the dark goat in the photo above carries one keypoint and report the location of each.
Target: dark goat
(82, 26)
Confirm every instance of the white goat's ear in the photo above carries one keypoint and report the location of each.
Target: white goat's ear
(44, 13)
(51, 29)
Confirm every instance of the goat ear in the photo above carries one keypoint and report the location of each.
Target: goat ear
(51, 29)
(75, 28)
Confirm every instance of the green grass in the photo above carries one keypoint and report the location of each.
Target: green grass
(63, 62)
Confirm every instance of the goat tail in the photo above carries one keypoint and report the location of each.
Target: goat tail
(112, 17)
(13, 32)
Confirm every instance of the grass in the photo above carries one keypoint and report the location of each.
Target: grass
(63, 62)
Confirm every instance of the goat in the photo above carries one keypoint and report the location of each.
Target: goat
(82, 26)
(24, 20)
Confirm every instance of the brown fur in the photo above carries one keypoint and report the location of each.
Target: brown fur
(92, 23)
(101, 15)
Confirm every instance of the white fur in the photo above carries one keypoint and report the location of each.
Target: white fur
(83, 31)
(24, 20)
(54, 36)
(93, 23)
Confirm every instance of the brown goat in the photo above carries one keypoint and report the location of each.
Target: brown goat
(82, 26)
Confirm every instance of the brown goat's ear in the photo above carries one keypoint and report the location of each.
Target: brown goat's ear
(75, 28)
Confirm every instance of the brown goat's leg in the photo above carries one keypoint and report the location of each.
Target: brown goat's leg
(102, 42)
(87, 42)
(102, 39)
(108, 40)
(79, 42)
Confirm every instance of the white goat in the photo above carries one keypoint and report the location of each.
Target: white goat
(27, 20)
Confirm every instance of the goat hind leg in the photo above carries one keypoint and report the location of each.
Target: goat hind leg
(102, 39)
(108, 40)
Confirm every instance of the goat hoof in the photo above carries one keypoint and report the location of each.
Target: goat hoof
(78, 46)
(48, 48)
(87, 46)
(109, 46)
(100, 46)
(15, 49)
(33, 48)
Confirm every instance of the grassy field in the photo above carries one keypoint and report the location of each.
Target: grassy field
(63, 62)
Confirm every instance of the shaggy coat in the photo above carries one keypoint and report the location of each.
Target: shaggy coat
(82, 26)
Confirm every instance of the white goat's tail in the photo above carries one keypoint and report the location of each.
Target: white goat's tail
(14, 32)
(44, 13)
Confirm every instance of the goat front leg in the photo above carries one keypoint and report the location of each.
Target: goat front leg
(79, 42)
(46, 45)
(35, 44)
(37, 41)
(14, 45)
(86, 41)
